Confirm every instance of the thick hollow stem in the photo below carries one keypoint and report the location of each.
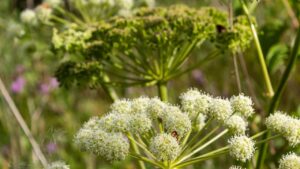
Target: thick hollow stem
(35, 146)
(163, 91)
(261, 58)
(275, 100)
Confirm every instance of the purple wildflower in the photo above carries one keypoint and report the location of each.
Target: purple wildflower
(18, 85)
(51, 147)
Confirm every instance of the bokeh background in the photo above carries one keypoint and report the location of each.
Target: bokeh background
(27, 66)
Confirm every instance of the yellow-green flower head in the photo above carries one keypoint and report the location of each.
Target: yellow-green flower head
(241, 148)
(139, 124)
(140, 105)
(194, 102)
(156, 108)
(164, 147)
(28, 16)
(236, 124)
(176, 122)
(283, 124)
(242, 105)
(122, 106)
(220, 109)
(58, 165)
(236, 167)
(115, 122)
(289, 161)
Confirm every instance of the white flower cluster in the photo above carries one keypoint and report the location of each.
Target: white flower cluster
(232, 113)
(106, 136)
(164, 125)
(165, 147)
(112, 146)
(236, 167)
(28, 16)
(241, 148)
(58, 165)
(289, 161)
(285, 125)
(41, 13)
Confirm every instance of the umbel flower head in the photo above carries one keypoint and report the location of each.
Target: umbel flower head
(160, 130)
(164, 147)
(236, 124)
(28, 16)
(195, 102)
(220, 109)
(285, 125)
(242, 105)
(241, 148)
(289, 161)
(58, 165)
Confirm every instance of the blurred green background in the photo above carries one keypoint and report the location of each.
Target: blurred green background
(54, 114)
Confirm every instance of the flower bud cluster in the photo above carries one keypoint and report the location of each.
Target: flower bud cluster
(165, 147)
(232, 113)
(58, 165)
(289, 161)
(285, 125)
(241, 148)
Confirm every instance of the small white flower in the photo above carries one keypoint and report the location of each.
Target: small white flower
(176, 122)
(220, 109)
(236, 167)
(122, 106)
(140, 105)
(194, 102)
(164, 147)
(241, 148)
(242, 105)
(28, 16)
(115, 122)
(283, 124)
(236, 124)
(289, 161)
(58, 165)
(156, 108)
(139, 124)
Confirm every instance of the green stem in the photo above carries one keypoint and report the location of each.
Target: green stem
(261, 58)
(147, 160)
(275, 100)
(137, 151)
(162, 91)
(203, 146)
(108, 88)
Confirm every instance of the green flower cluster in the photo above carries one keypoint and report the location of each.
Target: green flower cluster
(236, 38)
(144, 49)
